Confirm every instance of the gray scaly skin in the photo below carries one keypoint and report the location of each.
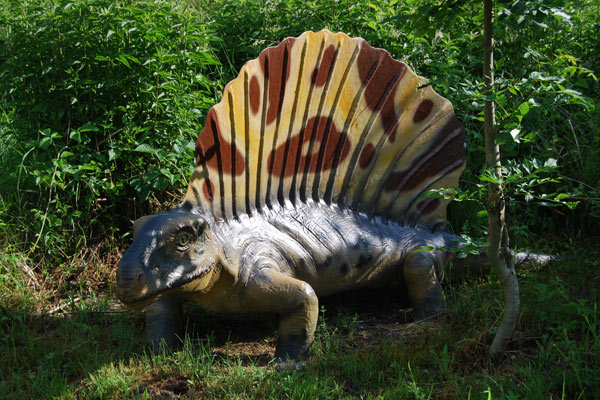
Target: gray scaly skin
(276, 261)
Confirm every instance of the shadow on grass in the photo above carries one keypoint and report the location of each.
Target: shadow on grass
(73, 353)
(43, 355)
(364, 341)
(47, 356)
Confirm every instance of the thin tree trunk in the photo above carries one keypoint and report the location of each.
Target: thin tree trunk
(496, 205)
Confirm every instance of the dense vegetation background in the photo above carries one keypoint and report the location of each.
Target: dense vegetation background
(101, 102)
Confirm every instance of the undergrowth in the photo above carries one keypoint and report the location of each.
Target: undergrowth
(366, 347)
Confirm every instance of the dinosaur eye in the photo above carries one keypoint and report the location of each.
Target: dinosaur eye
(183, 240)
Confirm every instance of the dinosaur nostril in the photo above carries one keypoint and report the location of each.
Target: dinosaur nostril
(130, 277)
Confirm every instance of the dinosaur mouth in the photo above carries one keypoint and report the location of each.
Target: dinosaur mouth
(149, 297)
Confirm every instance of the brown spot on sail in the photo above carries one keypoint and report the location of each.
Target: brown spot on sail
(278, 66)
(254, 95)
(445, 154)
(322, 72)
(366, 155)
(215, 151)
(294, 147)
(423, 110)
(381, 88)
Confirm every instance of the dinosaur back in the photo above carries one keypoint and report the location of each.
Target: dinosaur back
(329, 118)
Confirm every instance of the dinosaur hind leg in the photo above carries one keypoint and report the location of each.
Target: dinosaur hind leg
(423, 283)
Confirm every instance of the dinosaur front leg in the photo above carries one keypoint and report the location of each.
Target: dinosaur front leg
(294, 300)
(424, 288)
(164, 322)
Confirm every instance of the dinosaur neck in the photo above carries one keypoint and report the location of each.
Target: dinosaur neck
(213, 294)
(205, 282)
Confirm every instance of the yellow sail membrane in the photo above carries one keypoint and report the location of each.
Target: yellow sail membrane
(329, 118)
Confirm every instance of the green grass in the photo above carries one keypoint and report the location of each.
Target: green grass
(366, 346)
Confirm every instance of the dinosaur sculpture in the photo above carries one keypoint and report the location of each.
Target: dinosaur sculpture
(309, 180)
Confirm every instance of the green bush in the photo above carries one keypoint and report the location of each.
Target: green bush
(101, 102)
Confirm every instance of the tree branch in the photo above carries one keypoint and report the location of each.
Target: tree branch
(496, 202)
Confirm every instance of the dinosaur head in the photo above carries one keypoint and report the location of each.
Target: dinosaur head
(170, 249)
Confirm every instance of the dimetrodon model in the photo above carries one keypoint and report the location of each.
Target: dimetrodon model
(311, 178)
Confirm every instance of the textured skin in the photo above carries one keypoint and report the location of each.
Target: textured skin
(308, 181)
(280, 260)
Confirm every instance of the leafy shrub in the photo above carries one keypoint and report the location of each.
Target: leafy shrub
(100, 101)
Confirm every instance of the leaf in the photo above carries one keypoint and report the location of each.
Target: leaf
(113, 154)
(551, 162)
(89, 127)
(145, 148)
(123, 60)
(45, 143)
(528, 197)
(132, 58)
(88, 167)
(561, 14)
(160, 154)
(524, 108)
(518, 7)
(76, 135)
(424, 249)
(515, 134)
(488, 178)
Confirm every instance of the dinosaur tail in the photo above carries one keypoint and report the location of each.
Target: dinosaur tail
(478, 264)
